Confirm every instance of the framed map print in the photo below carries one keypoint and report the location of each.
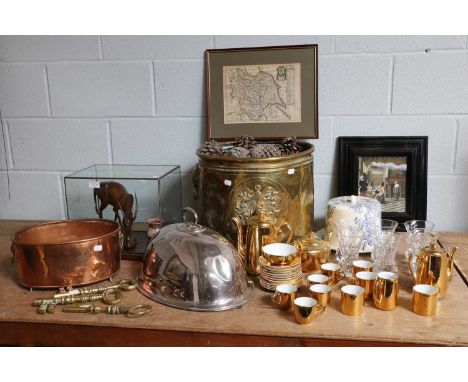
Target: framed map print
(266, 93)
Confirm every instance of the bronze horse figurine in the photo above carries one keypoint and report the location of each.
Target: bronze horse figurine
(116, 195)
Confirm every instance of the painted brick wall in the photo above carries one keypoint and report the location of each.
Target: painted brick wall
(71, 101)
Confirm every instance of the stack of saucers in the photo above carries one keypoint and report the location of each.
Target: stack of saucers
(279, 264)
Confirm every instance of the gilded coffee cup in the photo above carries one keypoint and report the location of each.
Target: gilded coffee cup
(333, 271)
(317, 278)
(279, 253)
(352, 300)
(385, 292)
(425, 299)
(365, 280)
(284, 295)
(362, 266)
(306, 310)
(321, 293)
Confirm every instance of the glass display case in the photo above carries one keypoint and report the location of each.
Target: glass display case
(130, 194)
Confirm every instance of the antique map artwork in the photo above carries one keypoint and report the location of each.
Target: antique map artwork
(262, 93)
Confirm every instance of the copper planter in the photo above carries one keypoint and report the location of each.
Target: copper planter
(67, 253)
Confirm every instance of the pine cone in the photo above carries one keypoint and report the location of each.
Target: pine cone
(245, 141)
(265, 151)
(240, 152)
(289, 146)
(212, 147)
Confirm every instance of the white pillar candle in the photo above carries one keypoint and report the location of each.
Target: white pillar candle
(358, 211)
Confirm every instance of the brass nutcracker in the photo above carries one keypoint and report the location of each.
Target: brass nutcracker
(110, 297)
(132, 311)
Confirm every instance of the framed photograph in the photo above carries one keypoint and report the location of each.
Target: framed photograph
(266, 92)
(392, 170)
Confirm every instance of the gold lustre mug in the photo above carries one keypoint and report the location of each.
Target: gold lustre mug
(333, 271)
(425, 299)
(321, 293)
(385, 291)
(365, 280)
(352, 300)
(316, 278)
(284, 295)
(307, 310)
(362, 266)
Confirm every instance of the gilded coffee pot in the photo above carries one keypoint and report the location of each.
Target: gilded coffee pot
(433, 265)
(261, 229)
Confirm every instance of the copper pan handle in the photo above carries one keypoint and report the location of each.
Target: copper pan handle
(14, 259)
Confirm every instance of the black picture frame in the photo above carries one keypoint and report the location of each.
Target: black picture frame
(414, 148)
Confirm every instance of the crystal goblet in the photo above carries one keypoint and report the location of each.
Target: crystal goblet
(349, 244)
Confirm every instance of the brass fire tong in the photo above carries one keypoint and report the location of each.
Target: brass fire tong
(129, 311)
(109, 296)
(124, 285)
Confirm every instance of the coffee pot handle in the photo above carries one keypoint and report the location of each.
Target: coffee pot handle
(451, 254)
(288, 229)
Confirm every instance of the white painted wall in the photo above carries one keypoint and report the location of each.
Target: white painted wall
(72, 101)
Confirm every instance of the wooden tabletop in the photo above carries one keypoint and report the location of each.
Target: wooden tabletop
(257, 323)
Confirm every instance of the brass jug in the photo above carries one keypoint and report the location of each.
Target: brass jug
(261, 229)
(433, 266)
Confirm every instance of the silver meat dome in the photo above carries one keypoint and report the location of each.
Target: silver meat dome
(192, 267)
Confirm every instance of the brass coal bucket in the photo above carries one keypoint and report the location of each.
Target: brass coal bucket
(230, 186)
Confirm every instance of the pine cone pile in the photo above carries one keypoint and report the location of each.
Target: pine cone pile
(290, 146)
(246, 147)
(245, 141)
(265, 150)
(212, 147)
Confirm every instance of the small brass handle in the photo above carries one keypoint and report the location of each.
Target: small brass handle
(13, 255)
(111, 296)
(138, 310)
(274, 298)
(318, 310)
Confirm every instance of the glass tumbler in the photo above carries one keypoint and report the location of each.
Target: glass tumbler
(349, 244)
(384, 252)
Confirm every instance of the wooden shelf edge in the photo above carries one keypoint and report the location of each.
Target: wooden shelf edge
(29, 334)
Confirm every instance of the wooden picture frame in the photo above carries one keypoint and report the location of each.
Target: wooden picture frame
(374, 166)
(267, 93)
